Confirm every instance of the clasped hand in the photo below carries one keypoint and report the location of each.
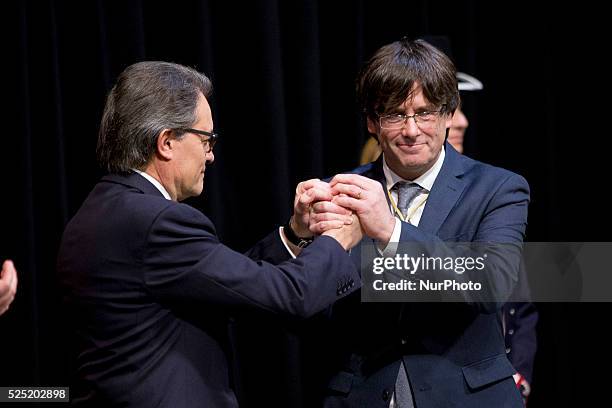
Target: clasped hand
(348, 200)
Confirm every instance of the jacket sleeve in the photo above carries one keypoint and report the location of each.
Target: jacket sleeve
(499, 233)
(184, 262)
(270, 249)
(521, 336)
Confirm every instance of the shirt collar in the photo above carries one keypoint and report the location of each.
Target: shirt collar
(425, 180)
(153, 181)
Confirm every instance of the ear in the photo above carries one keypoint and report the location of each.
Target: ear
(372, 127)
(166, 143)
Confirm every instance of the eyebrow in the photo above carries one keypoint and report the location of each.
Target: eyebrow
(400, 111)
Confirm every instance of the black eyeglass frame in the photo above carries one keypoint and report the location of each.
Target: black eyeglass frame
(213, 137)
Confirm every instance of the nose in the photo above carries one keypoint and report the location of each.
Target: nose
(210, 157)
(410, 128)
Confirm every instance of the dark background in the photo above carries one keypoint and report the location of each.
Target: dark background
(284, 74)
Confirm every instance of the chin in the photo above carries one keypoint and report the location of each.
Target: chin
(196, 191)
(417, 161)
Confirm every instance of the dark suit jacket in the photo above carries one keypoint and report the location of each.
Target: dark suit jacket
(149, 288)
(453, 352)
(521, 320)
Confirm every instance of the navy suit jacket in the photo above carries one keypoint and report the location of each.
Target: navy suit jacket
(521, 320)
(149, 289)
(453, 352)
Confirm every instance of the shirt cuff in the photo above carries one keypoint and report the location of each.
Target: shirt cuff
(280, 234)
(391, 248)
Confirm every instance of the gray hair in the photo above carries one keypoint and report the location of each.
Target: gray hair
(147, 98)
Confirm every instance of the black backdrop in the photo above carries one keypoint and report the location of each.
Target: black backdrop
(283, 73)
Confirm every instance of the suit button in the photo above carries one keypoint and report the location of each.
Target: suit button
(511, 332)
(508, 350)
(386, 395)
(512, 311)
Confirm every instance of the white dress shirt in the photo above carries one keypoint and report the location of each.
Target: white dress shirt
(156, 183)
(425, 180)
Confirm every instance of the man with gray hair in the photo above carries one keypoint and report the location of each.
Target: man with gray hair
(147, 282)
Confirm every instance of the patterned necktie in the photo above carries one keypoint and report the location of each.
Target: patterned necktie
(406, 192)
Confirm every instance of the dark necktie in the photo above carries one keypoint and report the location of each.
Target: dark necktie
(407, 191)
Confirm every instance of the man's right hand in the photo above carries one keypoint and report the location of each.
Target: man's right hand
(8, 285)
(347, 235)
(307, 193)
(359, 195)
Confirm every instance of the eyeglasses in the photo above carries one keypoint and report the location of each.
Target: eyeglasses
(423, 120)
(210, 142)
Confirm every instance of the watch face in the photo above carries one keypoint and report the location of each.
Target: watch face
(294, 239)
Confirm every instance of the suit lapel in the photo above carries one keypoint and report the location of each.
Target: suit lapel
(445, 192)
(443, 196)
